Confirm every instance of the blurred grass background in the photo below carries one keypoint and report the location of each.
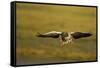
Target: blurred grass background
(33, 18)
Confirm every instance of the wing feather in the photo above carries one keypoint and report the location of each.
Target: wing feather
(52, 34)
(77, 35)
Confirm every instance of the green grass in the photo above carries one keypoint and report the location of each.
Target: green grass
(33, 18)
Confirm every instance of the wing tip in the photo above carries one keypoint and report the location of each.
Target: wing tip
(38, 34)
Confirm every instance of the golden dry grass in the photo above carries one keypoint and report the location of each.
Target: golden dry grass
(33, 18)
(57, 54)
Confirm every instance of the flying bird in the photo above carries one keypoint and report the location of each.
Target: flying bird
(64, 37)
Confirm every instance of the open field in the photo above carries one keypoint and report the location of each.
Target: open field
(33, 18)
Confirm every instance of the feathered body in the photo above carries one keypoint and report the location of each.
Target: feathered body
(65, 37)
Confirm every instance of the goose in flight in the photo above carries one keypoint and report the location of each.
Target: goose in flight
(65, 37)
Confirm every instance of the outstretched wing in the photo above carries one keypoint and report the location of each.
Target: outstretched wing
(77, 35)
(52, 34)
